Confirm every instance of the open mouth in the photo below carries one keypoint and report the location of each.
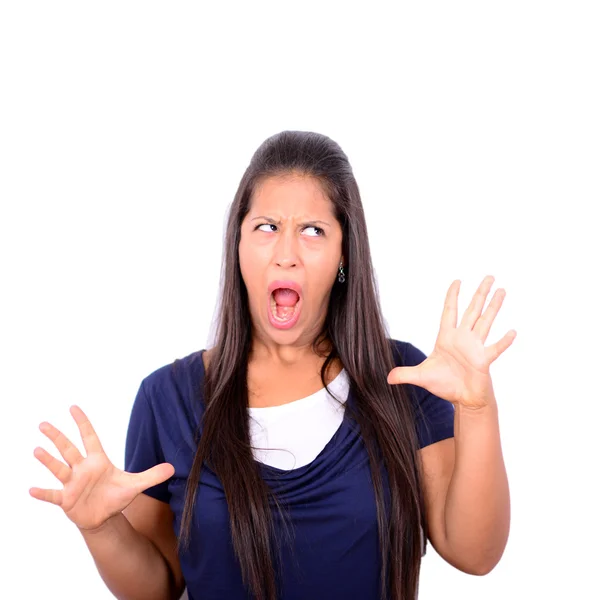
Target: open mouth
(284, 307)
(283, 303)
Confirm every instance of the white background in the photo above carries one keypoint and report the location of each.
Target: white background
(473, 129)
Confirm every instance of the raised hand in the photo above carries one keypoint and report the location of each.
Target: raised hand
(458, 368)
(93, 488)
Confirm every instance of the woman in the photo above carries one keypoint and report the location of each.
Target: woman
(306, 455)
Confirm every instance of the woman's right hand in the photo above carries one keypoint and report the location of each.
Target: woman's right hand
(94, 489)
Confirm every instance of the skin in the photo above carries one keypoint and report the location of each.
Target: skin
(290, 232)
(465, 484)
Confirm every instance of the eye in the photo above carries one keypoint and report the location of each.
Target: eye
(265, 225)
(319, 231)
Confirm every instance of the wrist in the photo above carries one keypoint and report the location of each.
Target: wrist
(490, 407)
(104, 527)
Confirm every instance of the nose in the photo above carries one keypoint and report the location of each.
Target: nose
(286, 251)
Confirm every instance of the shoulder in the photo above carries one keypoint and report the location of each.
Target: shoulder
(165, 416)
(206, 355)
(434, 415)
(176, 373)
(175, 387)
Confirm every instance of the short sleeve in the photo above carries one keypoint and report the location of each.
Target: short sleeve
(434, 415)
(142, 446)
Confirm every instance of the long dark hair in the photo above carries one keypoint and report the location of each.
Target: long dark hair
(355, 333)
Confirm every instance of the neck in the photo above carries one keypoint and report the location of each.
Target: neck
(287, 355)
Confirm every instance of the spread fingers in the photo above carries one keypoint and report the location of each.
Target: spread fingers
(52, 496)
(67, 449)
(56, 467)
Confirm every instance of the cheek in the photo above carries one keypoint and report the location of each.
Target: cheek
(322, 267)
(250, 267)
(322, 276)
(245, 263)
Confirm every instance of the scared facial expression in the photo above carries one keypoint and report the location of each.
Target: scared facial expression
(290, 252)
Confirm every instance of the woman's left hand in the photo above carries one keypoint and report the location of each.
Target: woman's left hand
(457, 369)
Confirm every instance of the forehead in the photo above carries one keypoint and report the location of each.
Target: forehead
(290, 194)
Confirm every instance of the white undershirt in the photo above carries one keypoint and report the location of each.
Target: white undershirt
(292, 435)
(301, 428)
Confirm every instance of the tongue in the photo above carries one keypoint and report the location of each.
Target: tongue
(285, 297)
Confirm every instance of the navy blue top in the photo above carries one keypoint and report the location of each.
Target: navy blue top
(330, 501)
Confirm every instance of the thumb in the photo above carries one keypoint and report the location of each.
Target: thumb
(154, 476)
(402, 375)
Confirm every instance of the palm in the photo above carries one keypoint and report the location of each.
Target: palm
(457, 371)
(458, 368)
(96, 489)
(93, 488)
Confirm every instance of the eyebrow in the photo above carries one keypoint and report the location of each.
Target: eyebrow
(271, 220)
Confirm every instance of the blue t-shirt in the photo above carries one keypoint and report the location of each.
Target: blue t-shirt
(330, 501)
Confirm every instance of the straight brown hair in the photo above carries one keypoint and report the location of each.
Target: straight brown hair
(354, 332)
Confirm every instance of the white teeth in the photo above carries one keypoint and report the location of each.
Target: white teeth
(274, 311)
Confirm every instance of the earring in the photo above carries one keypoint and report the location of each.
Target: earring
(341, 276)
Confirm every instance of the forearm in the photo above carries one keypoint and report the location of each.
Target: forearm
(130, 565)
(477, 508)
